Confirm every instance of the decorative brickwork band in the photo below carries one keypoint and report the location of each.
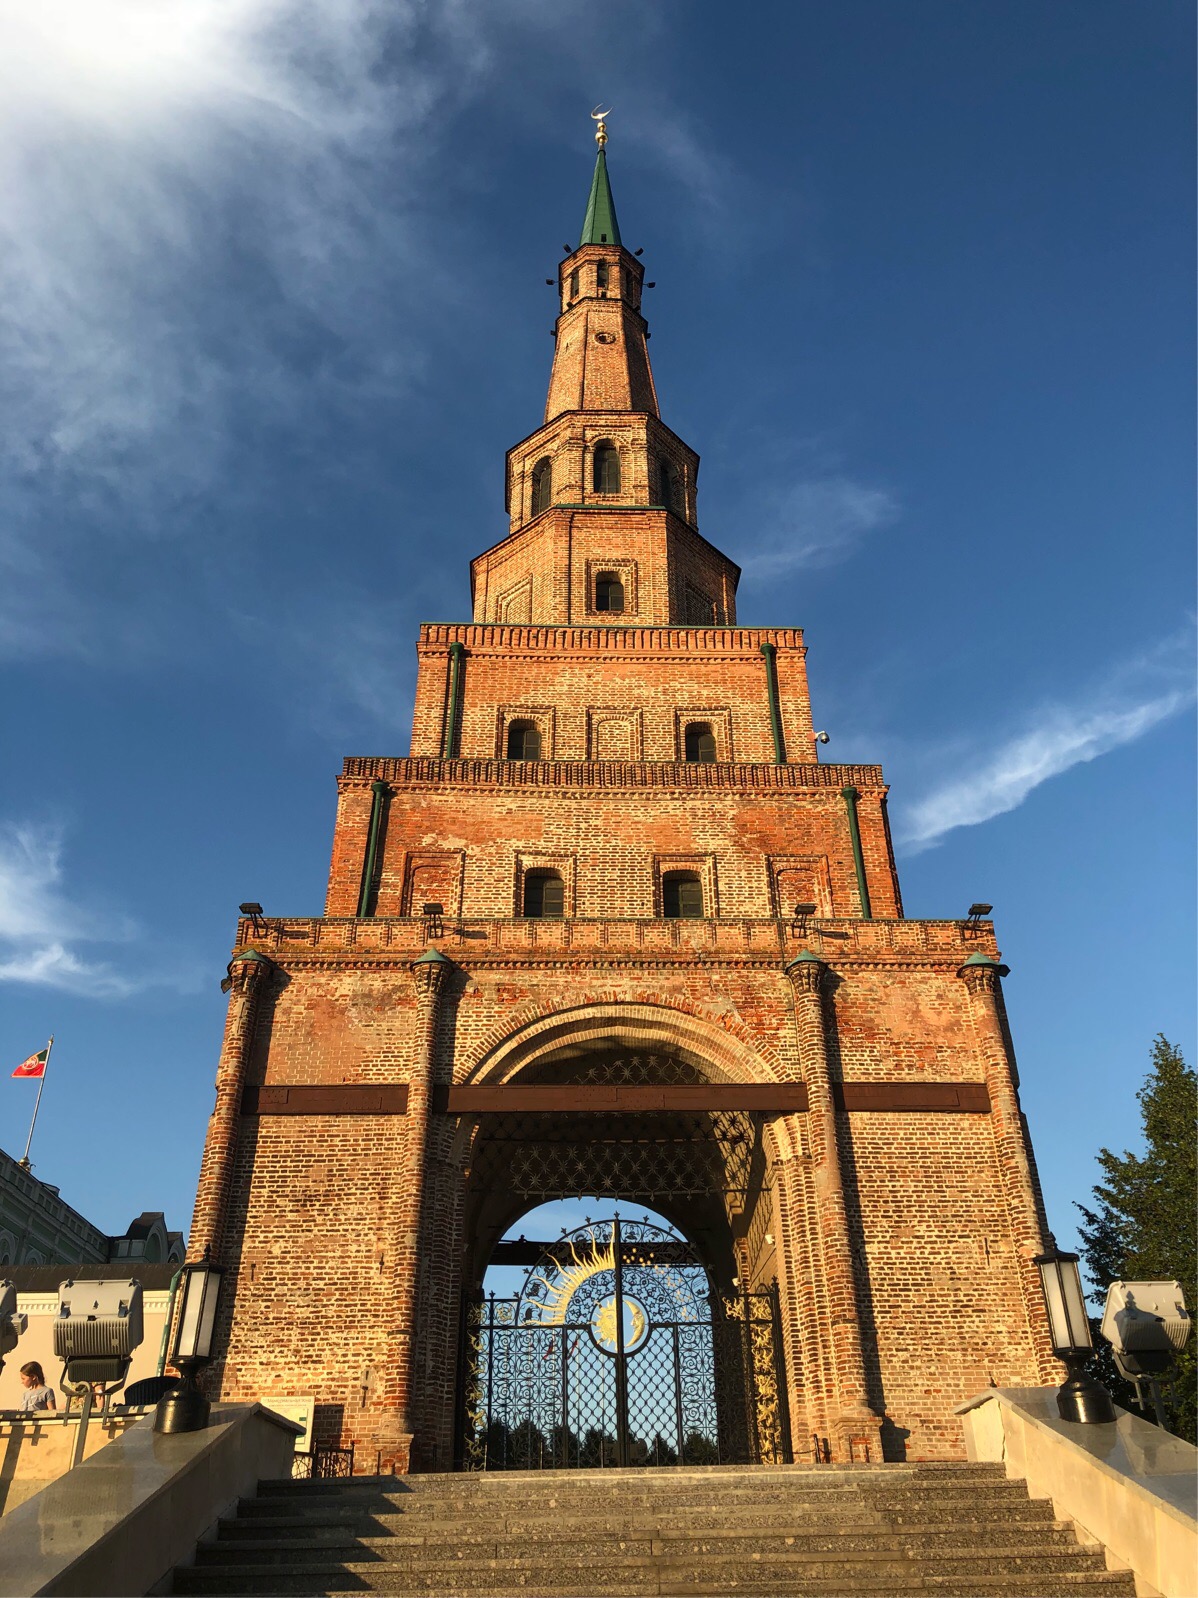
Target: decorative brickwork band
(981, 975)
(379, 792)
(850, 797)
(850, 1414)
(770, 651)
(430, 973)
(248, 976)
(453, 701)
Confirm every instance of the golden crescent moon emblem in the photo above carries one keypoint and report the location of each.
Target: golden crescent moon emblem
(597, 115)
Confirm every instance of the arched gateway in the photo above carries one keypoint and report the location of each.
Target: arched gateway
(681, 978)
(628, 1343)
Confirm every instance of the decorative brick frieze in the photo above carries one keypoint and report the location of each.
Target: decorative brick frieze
(581, 774)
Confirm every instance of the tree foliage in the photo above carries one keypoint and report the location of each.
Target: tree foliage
(1142, 1226)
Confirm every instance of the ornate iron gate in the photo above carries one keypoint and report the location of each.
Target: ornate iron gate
(616, 1352)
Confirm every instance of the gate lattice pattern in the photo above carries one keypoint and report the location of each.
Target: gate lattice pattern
(617, 1353)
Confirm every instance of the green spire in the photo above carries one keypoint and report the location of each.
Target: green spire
(600, 225)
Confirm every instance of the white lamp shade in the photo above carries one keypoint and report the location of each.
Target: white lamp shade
(197, 1317)
(1065, 1301)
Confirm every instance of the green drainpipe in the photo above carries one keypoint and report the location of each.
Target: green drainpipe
(170, 1315)
(850, 797)
(771, 680)
(456, 654)
(378, 799)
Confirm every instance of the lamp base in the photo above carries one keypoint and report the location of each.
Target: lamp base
(183, 1410)
(1081, 1399)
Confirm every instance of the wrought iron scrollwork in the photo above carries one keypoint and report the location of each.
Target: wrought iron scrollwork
(616, 1352)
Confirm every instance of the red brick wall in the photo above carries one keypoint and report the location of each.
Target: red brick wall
(317, 1203)
(661, 675)
(902, 1241)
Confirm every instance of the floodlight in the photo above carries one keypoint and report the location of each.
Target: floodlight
(1147, 1325)
(98, 1327)
(12, 1322)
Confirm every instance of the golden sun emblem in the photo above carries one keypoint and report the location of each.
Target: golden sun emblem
(570, 1277)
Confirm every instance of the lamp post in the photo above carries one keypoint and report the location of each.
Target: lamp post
(186, 1409)
(1080, 1397)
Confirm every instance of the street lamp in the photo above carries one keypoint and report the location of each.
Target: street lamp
(1080, 1397)
(186, 1409)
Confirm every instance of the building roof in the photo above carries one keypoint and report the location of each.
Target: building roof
(600, 225)
(45, 1278)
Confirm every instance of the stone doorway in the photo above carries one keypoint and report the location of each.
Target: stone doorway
(634, 1341)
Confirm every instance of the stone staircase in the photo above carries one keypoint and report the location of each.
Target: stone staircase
(956, 1530)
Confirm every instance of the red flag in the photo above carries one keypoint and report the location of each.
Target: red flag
(35, 1065)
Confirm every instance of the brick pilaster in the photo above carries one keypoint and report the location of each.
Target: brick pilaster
(430, 973)
(248, 974)
(850, 1412)
(982, 978)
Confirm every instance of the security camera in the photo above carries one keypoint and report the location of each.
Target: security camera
(820, 737)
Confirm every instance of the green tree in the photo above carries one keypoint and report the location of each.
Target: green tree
(1142, 1226)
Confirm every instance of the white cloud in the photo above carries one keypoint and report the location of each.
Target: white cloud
(39, 923)
(155, 153)
(816, 522)
(1139, 696)
(215, 228)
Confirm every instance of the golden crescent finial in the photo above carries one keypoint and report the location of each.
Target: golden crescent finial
(599, 115)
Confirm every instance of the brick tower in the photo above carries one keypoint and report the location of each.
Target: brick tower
(611, 928)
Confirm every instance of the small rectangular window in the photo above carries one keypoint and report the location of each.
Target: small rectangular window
(681, 896)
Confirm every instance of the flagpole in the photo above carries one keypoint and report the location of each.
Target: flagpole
(37, 1102)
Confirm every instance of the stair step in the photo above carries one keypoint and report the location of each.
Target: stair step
(962, 1531)
(662, 1478)
(454, 1543)
(237, 1535)
(772, 1578)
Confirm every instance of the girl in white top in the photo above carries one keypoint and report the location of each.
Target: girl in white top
(37, 1394)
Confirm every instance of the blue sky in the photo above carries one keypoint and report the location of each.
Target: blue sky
(273, 308)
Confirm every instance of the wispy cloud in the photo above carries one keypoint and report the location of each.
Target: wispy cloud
(1137, 697)
(817, 521)
(215, 231)
(40, 925)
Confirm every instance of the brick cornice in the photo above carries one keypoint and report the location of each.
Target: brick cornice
(567, 776)
(512, 639)
(578, 943)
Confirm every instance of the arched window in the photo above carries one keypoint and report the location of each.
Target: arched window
(609, 592)
(542, 485)
(574, 284)
(700, 741)
(523, 741)
(667, 484)
(681, 896)
(544, 896)
(601, 276)
(605, 475)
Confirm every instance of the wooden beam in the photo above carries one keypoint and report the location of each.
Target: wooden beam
(969, 1098)
(342, 1098)
(767, 1098)
(772, 1098)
